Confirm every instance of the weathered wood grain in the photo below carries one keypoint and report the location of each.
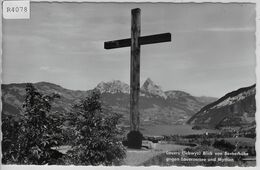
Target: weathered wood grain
(144, 40)
(135, 70)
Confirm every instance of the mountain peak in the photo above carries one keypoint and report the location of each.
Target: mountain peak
(149, 80)
(151, 88)
(176, 94)
(114, 86)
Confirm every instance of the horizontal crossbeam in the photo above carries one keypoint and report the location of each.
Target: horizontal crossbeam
(150, 39)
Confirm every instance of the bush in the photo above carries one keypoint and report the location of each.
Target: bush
(205, 142)
(196, 127)
(96, 135)
(10, 129)
(35, 133)
(224, 145)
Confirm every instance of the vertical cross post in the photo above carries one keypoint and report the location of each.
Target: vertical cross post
(135, 70)
(135, 137)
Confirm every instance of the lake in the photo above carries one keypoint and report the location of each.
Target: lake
(173, 130)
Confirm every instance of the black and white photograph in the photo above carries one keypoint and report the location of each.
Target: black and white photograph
(130, 84)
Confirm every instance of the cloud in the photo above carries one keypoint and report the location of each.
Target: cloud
(231, 29)
(45, 68)
(51, 70)
(218, 29)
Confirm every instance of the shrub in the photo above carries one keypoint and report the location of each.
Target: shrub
(36, 133)
(10, 129)
(96, 135)
(224, 145)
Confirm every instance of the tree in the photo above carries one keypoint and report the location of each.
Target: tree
(38, 130)
(96, 135)
(10, 129)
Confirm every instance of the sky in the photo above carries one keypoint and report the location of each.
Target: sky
(212, 51)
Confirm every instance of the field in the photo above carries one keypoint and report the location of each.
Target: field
(242, 141)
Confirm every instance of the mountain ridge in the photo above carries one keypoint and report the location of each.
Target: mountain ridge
(239, 104)
(149, 88)
(154, 109)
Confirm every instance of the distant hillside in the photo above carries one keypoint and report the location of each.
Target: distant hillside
(13, 96)
(156, 106)
(234, 109)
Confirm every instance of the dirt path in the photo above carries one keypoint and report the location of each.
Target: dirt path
(137, 157)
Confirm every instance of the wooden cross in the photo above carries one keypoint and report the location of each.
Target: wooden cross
(135, 42)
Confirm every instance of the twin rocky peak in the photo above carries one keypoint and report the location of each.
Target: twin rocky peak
(149, 88)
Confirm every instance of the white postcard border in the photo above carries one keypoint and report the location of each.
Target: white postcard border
(257, 72)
